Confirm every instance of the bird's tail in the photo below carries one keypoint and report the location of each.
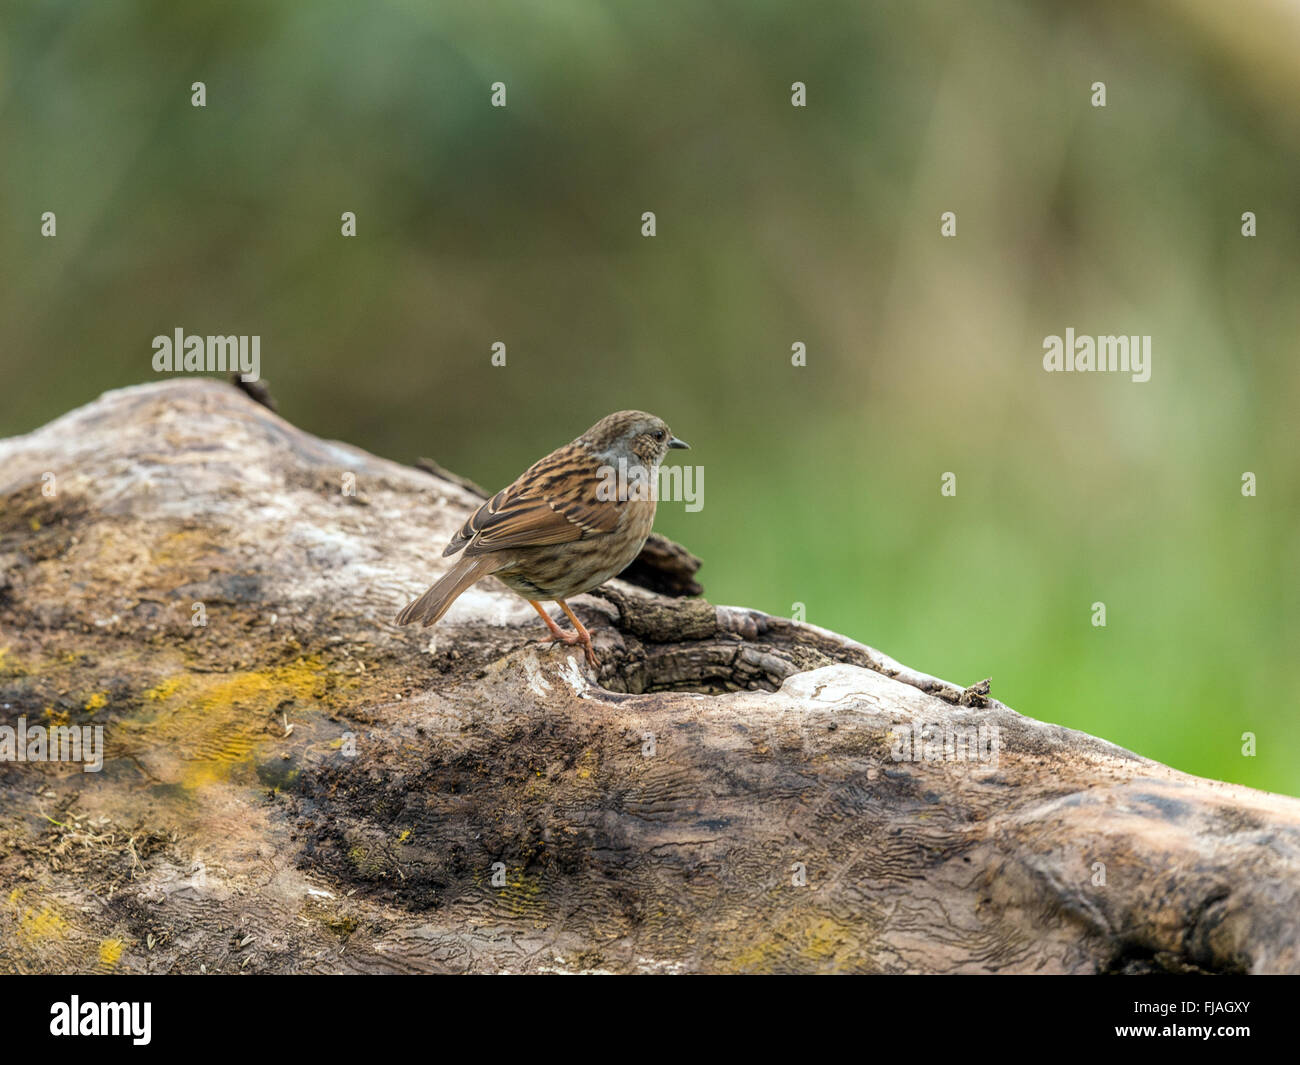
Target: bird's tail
(438, 599)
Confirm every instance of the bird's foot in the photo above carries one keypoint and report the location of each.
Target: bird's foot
(571, 638)
(559, 635)
(584, 637)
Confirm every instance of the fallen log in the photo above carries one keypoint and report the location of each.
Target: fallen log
(291, 783)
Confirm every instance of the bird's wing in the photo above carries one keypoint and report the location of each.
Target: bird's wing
(553, 502)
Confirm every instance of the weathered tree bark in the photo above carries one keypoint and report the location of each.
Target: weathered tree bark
(299, 785)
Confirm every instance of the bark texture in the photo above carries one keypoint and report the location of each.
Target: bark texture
(299, 785)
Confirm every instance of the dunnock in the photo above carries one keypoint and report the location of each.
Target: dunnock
(568, 524)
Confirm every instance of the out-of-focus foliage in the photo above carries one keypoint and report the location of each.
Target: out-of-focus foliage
(775, 225)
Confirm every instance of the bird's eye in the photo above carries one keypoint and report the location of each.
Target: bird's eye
(659, 435)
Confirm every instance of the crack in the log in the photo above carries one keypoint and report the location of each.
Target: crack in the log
(692, 645)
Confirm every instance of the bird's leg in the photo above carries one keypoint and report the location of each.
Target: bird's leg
(557, 633)
(584, 637)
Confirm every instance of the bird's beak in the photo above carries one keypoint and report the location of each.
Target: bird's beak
(674, 442)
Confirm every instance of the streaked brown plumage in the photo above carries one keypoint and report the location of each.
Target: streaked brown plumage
(558, 530)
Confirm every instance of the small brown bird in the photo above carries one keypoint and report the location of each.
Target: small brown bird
(568, 524)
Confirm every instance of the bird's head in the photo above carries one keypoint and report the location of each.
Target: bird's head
(632, 435)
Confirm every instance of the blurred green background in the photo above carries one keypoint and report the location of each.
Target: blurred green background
(775, 225)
